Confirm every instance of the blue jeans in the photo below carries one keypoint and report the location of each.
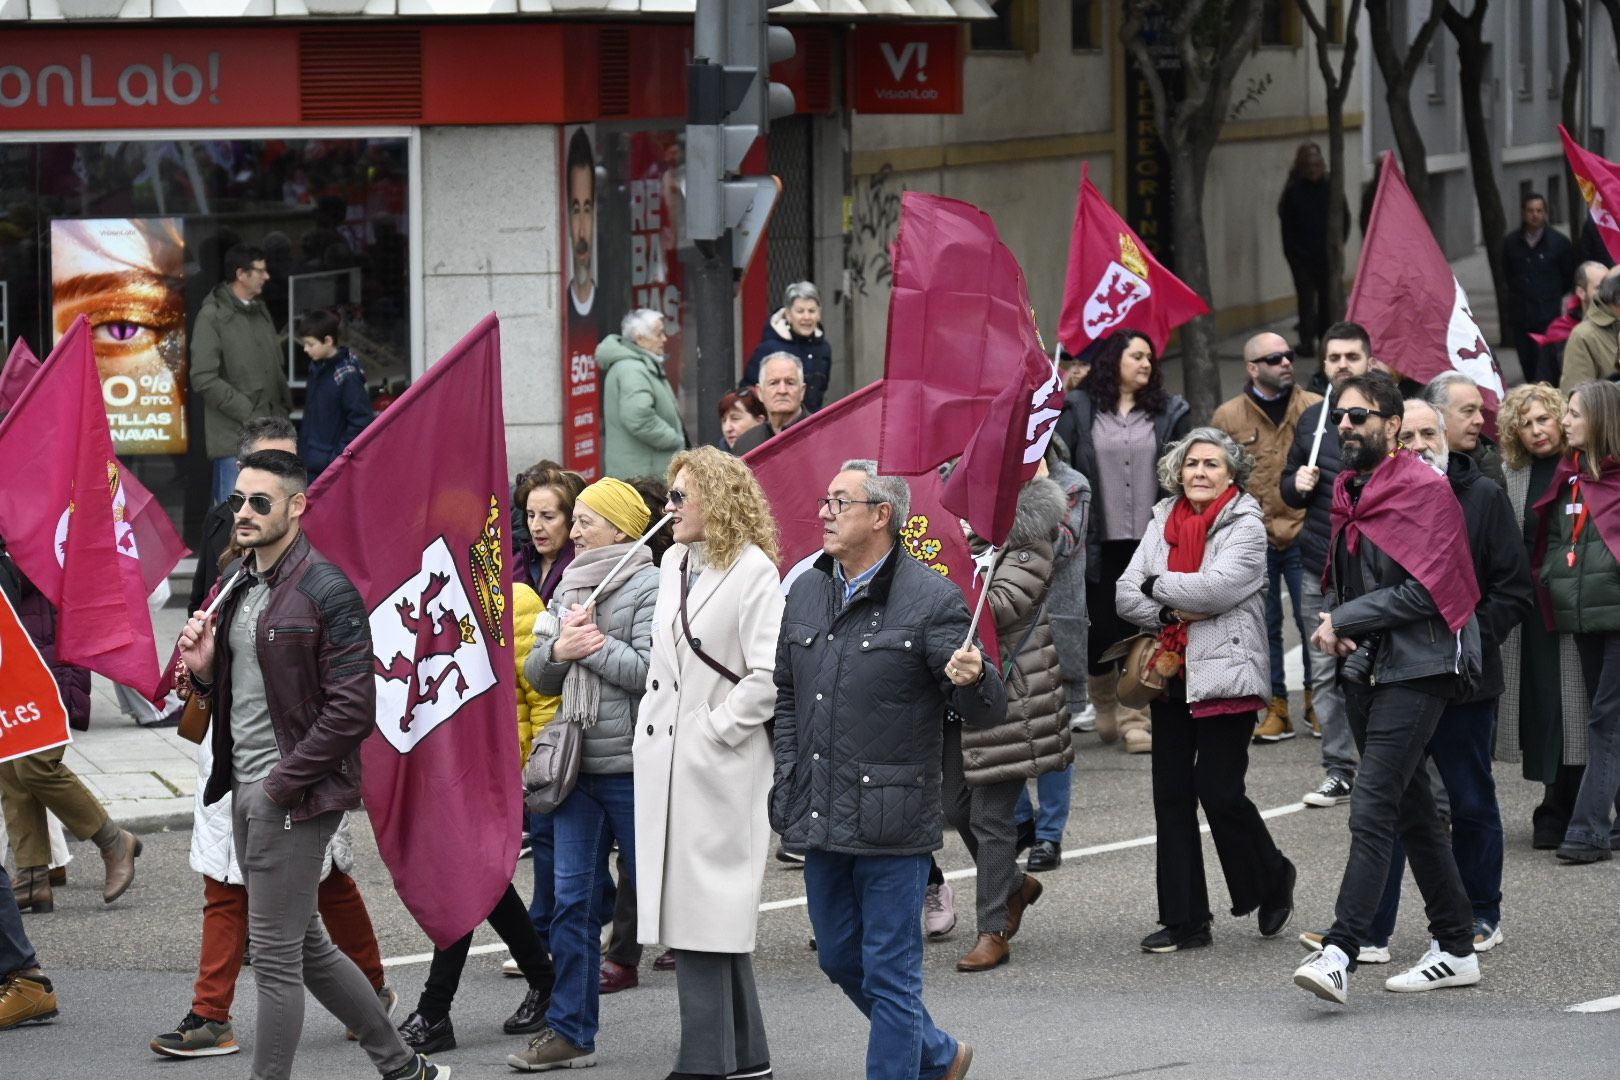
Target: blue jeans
(1284, 565)
(1053, 790)
(1461, 750)
(1594, 802)
(225, 470)
(16, 954)
(866, 911)
(599, 811)
(543, 850)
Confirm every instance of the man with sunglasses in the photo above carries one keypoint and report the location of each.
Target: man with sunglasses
(1401, 620)
(1263, 419)
(286, 665)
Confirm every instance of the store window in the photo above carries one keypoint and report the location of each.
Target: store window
(131, 234)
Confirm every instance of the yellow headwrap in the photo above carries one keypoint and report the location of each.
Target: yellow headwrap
(620, 503)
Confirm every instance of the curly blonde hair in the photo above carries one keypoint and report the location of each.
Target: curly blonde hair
(1515, 407)
(738, 514)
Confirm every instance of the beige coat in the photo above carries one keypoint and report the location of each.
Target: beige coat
(703, 760)
(1243, 419)
(1592, 348)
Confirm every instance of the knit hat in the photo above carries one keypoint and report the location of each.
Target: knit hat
(620, 503)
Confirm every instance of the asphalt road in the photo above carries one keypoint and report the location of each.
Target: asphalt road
(1078, 1000)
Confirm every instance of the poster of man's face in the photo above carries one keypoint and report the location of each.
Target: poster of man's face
(580, 184)
(126, 276)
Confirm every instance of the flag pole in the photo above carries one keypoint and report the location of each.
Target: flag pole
(978, 608)
(1321, 426)
(613, 573)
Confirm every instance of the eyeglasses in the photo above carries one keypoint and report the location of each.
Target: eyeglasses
(839, 505)
(1358, 416)
(677, 498)
(1272, 359)
(262, 504)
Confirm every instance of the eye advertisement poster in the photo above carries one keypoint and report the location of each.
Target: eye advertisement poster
(126, 275)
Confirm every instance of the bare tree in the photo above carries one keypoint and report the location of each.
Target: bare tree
(1212, 38)
(1569, 106)
(1473, 68)
(1399, 69)
(1337, 83)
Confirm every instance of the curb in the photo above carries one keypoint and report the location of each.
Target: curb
(170, 822)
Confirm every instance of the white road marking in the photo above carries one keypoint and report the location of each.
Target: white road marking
(1598, 1005)
(954, 875)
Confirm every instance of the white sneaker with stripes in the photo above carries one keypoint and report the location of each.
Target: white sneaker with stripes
(1437, 970)
(1326, 974)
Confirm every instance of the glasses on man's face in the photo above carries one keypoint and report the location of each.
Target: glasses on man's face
(1357, 415)
(836, 506)
(1272, 359)
(677, 498)
(261, 504)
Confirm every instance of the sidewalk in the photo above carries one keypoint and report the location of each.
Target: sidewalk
(146, 777)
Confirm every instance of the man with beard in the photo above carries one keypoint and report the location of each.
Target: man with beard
(285, 665)
(1263, 419)
(1346, 353)
(1403, 594)
(581, 221)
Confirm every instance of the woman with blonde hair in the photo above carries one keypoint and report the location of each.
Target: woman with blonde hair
(703, 760)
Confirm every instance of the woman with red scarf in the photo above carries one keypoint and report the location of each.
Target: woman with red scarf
(1197, 580)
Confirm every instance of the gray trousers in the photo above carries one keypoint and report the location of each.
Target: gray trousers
(1339, 757)
(281, 868)
(722, 1031)
(983, 815)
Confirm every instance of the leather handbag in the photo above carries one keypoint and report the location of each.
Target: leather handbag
(1140, 677)
(553, 768)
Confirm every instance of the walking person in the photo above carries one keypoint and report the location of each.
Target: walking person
(287, 722)
(703, 759)
(1196, 581)
(1302, 214)
(870, 658)
(1537, 260)
(596, 659)
(1578, 548)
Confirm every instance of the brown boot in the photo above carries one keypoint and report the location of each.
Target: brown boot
(59, 876)
(33, 889)
(1028, 891)
(1105, 698)
(1136, 728)
(119, 850)
(990, 951)
(26, 997)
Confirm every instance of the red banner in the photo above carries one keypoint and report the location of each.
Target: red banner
(1600, 187)
(32, 716)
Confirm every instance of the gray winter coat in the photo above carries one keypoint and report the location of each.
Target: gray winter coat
(625, 616)
(1066, 605)
(1228, 656)
(1034, 739)
(861, 695)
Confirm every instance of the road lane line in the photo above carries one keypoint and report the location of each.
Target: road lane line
(953, 875)
(1598, 1005)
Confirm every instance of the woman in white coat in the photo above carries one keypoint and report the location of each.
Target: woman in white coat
(703, 758)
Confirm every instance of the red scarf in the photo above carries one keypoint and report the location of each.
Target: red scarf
(1186, 531)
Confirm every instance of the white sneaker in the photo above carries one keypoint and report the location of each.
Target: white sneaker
(1326, 974)
(1437, 970)
(1085, 719)
(1368, 954)
(510, 969)
(1486, 936)
(939, 911)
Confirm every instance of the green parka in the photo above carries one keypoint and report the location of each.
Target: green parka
(238, 368)
(1586, 595)
(641, 423)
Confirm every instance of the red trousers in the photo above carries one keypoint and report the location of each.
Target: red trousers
(225, 934)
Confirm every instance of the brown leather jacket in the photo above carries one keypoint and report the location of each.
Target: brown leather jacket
(314, 647)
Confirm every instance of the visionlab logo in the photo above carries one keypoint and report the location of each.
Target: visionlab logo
(908, 69)
(901, 57)
(168, 82)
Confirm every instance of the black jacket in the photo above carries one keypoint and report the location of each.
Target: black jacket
(216, 537)
(1074, 428)
(1537, 277)
(1506, 597)
(815, 352)
(1318, 504)
(861, 696)
(1302, 216)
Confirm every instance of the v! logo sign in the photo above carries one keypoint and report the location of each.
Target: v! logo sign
(32, 716)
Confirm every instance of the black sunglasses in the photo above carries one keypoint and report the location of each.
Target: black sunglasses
(677, 498)
(1272, 359)
(1357, 415)
(262, 504)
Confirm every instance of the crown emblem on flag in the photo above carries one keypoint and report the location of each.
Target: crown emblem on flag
(112, 490)
(486, 573)
(1131, 257)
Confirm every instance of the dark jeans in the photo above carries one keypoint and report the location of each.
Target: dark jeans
(1284, 566)
(1589, 824)
(623, 948)
(16, 954)
(1197, 761)
(1529, 352)
(1055, 791)
(1558, 803)
(1311, 292)
(511, 921)
(1392, 725)
(1461, 750)
(866, 912)
(543, 847)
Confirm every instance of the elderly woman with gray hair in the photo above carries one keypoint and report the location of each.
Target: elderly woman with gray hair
(1196, 582)
(641, 422)
(795, 328)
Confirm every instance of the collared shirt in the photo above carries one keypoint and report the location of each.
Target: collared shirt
(861, 580)
(254, 750)
(1128, 469)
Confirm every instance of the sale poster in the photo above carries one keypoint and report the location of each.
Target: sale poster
(582, 329)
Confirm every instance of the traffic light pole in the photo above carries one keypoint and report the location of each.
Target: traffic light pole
(709, 301)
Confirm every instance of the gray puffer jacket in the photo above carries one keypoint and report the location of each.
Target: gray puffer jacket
(1228, 656)
(861, 695)
(1067, 601)
(625, 616)
(1034, 739)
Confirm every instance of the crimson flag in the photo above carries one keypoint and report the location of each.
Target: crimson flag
(64, 522)
(1410, 301)
(31, 708)
(795, 467)
(1600, 187)
(21, 367)
(1005, 451)
(414, 511)
(1112, 275)
(960, 329)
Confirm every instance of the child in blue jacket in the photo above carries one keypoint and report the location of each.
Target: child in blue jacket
(337, 406)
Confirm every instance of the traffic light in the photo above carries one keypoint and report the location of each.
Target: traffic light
(731, 102)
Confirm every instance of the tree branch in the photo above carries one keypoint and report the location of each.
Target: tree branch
(1425, 36)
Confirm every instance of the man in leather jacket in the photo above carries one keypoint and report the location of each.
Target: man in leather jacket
(286, 664)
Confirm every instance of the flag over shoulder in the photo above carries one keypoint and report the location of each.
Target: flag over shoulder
(414, 511)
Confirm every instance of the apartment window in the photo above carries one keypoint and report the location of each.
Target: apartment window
(1014, 29)
(1524, 50)
(1434, 61)
(1280, 23)
(1555, 197)
(1555, 49)
(1085, 25)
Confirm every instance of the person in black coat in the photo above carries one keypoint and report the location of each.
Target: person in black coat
(259, 433)
(796, 328)
(1537, 261)
(1303, 213)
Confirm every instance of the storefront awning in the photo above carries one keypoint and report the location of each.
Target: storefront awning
(796, 11)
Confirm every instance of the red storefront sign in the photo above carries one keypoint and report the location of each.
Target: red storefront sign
(906, 69)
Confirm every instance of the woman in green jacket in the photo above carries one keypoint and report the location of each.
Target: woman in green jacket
(641, 423)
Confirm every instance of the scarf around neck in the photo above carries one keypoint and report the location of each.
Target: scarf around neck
(582, 687)
(1186, 533)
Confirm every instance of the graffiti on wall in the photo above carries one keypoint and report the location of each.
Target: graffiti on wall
(874, 220)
